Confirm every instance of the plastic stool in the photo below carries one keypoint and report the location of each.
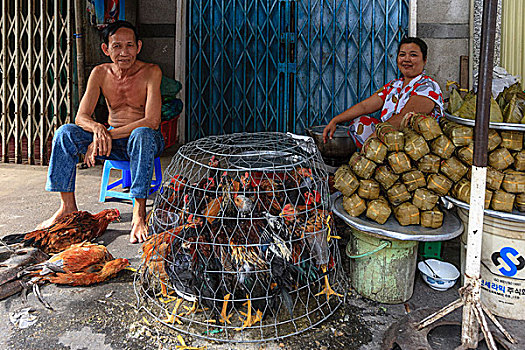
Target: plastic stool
(125, 180)
(430, 250)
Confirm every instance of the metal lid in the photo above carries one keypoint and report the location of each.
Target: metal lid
(340, 130)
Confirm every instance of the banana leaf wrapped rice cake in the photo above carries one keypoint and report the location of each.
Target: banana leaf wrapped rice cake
(432, 218)
(453, 169)
(514, 181)
(429, 164)
(341, 169)
(413, 180)
(494, 140)
(415, 145)
(398, 194)
(443, 147)
(460, 135)
(407, 214)
(439, 183)
(461, 191)
(514, 110)
(362, 166)
(502, 201)
(425, 199)
(346, 182)
(455, 101)
(468, 109)
(466, 154)
(512, 140)
(379, 210)
(425, 125)
(385, 176)
(519, 202)
(354, 205)
(519, 161)
(399, 162)
(393, 139)
(368, 189)
(494, 178)
(500, 159)
(374, 150)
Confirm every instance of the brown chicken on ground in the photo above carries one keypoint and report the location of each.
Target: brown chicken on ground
(73, 228)
(81, 264)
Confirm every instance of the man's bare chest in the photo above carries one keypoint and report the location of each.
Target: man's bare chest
(131, 92)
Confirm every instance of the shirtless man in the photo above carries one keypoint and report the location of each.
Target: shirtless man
(132, 92)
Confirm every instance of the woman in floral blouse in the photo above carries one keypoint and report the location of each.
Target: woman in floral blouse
(413, 92)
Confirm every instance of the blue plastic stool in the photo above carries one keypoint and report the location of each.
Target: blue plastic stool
(125, 180)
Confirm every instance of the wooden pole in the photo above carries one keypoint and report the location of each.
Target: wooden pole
(17, 135)
(5, 77)
(79, 36)
(68, 91)
(43, 84)
(55, 67)
(31, 84)
(180, 63)
(470, 326)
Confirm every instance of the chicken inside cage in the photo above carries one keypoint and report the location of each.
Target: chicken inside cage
(241, 235)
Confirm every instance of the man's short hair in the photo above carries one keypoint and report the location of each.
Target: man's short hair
(113, 27)
(413, 40)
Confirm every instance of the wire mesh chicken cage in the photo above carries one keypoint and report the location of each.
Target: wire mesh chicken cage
(242, 242)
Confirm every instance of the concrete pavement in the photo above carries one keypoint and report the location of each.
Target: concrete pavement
(104, 316)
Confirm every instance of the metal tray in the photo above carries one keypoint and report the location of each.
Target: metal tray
(452, 226)
(499, 126)
(514, 216)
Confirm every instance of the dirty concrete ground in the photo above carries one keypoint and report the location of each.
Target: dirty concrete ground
(105, 316)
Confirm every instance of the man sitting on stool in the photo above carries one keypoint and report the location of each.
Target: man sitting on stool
(132, 92)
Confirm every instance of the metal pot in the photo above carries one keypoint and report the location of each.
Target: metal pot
(336, 151)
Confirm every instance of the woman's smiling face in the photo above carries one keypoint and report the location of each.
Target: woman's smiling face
(410, 60)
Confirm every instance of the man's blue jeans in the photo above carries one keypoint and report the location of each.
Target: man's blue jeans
(140, 149)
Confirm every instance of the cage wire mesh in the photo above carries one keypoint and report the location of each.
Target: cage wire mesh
(241, 245)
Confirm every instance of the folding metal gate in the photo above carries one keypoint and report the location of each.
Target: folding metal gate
(35, 63)
(285, 65)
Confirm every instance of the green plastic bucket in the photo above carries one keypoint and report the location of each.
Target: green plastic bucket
(382, 269)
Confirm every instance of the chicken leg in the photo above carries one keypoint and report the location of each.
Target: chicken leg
(329, 234)
(250, 320)
(191, 309)
(224, 317)
(327, 289)
(173, 317)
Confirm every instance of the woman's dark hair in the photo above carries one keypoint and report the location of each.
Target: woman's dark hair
(413, 40)
(113, 27)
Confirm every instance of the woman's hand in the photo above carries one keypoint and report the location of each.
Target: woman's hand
(102, 141)
(329, 130)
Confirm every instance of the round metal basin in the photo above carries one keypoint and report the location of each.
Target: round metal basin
(336, 151)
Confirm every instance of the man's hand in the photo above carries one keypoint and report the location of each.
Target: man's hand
(89, 157)
(101, 141)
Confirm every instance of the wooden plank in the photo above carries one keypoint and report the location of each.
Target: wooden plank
(463, 72)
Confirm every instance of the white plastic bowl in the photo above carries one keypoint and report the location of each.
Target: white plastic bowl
(448, 274)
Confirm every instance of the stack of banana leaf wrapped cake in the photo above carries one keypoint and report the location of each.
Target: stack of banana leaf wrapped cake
(405, 172)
